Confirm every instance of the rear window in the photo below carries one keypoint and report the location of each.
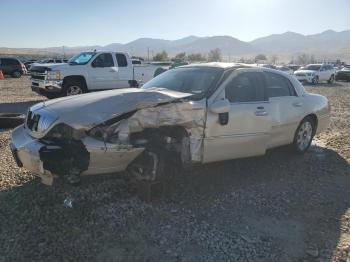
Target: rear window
(121, 60)
(277, 85)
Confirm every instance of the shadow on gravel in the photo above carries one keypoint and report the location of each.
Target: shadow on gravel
(324, 84)
(279, 207)
(17, 107)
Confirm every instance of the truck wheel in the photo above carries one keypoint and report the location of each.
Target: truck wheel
(315, 80)
(331, 80)
(73, 87)
(16, 74)
(304, 135)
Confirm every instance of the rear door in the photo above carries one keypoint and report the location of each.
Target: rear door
(124, 70)
(103, 73)
(286, 108)
(247, 131)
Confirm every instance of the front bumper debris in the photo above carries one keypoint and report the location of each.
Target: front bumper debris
(49, 160)
(44, 87)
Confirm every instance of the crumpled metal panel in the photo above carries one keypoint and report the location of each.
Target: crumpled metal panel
(88, 110)
(190, 115)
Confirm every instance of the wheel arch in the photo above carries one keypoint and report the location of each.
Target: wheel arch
(79, 78)
(172, 138)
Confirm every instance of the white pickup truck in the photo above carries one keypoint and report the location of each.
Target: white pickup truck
(89, 71)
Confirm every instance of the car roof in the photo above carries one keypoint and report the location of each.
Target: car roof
(222, 65)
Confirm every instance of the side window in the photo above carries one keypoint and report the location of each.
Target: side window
(6, 61)
(103, 60)
(121, 60)
(277, 86)
(245, 88)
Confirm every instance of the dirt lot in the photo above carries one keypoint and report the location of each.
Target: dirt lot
(279, 207)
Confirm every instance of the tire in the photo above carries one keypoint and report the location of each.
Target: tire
(149, 166)
(16, 74)
(11, 120)
(331, 80)
(315, 80)
(73, 87)
(303, 135)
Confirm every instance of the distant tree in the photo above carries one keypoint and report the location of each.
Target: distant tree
(214, 55)
(197, 57)
(162, 56)
(304, 59)
(260, 57)
(242, 60)
(180, 57)
(273, 59)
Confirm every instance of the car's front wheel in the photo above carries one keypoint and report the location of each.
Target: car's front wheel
(315, 80)
(16, 74)
(149, 166)
(304, 135)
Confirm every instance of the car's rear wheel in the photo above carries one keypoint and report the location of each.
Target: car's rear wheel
(315, 80)
(16, 74)
(331, 79)
(304, 135)
(73, 87)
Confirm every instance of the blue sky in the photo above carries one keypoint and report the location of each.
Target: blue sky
(35, 23)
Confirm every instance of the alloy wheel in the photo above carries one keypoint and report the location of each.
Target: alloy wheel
(74, 90)
(304, 135)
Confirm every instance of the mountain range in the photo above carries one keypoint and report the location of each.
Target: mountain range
(328, 44)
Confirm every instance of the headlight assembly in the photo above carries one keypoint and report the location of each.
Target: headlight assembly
(53, 75)
(39, 121)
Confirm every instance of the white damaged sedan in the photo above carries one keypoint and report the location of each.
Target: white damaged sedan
(192, 114)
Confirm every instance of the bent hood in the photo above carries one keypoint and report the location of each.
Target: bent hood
(89, 110)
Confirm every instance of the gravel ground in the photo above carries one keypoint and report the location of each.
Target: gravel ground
(279, 207)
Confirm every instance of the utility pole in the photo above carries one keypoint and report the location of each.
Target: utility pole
(148, 54)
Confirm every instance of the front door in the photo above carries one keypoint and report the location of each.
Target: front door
(103, 74)
(249, 123)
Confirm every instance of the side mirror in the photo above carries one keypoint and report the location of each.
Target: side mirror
(220, 106)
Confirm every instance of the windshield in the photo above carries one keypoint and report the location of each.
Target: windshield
(194, 80)
(312, 67)
(82, 58)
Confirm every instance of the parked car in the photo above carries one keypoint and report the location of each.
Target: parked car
(293, 67)
(193, 114)
(343, 74)
(89, 71)
(315, 73)
(285, 69)
(12, 66)
(28, 63)
(268, 66)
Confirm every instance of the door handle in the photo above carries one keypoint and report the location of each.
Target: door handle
(297, 104)
(261, 113)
